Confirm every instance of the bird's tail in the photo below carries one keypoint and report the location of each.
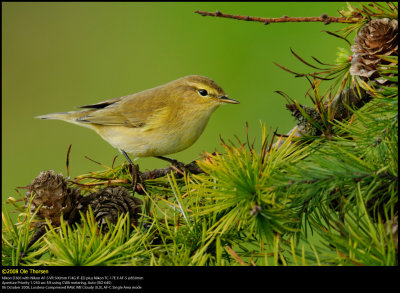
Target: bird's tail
(66, 116)
(74, 117)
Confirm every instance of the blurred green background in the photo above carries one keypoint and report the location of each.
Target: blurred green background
(57, 56)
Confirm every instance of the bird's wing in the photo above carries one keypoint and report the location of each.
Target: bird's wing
(137, 110)
(103, 104)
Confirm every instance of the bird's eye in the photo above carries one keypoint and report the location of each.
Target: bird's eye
(203, 92)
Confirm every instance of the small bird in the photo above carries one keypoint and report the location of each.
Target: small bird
(155, 122)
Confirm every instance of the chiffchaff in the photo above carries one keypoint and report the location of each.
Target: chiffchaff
(155, 122)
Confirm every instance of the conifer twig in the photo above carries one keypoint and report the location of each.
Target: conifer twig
(337, 105)
(266, 20)
(156, 173)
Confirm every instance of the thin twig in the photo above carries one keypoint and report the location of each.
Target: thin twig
(323, 18)
(107, 182)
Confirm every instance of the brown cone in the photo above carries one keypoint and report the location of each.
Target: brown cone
(52, 193)
(377, 37)
(110, 202)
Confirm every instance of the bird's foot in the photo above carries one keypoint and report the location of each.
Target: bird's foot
(135, 173)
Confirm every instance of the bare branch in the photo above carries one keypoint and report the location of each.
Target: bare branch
(157, 173)
(323, 18)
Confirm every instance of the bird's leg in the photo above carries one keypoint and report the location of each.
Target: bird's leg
(173, 162)
(134, 170)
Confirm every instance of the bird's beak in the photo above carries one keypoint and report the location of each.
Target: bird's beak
(225, 99)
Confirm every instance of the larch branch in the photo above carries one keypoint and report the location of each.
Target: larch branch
(323, 18)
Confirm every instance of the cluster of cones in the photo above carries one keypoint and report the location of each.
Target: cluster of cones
(50, 197)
